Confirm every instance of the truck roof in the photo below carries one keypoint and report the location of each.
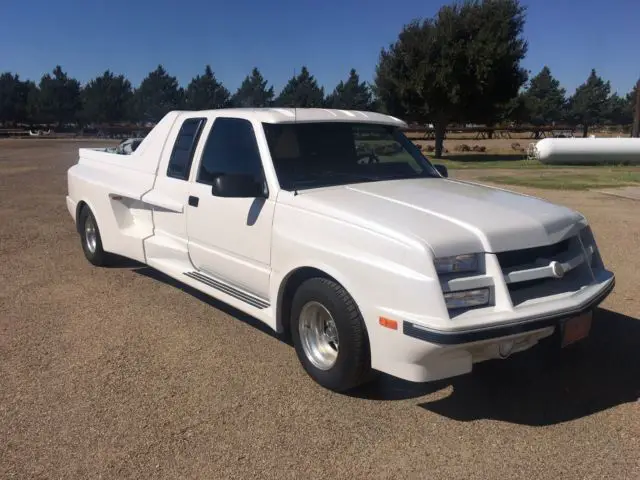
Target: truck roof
(293, 115)
(149, 151)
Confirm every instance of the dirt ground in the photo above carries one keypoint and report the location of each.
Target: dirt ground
(515, 147)
(121, 373)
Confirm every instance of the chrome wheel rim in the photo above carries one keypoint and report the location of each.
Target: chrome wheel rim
(90, 234)
(318, 335)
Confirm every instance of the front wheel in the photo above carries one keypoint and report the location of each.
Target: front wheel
(329, 335)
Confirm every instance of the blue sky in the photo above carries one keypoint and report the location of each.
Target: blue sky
(329, 36)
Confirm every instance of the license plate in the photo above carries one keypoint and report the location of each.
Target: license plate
(576, 328)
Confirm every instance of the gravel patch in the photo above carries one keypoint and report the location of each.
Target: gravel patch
(120, 373)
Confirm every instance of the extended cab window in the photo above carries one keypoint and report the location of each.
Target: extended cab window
(230, 148)
(182, 154)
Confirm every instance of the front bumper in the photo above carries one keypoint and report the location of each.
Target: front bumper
(522, 325)
(418, 353)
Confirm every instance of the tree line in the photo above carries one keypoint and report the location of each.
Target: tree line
(110, 98)
(462, 65)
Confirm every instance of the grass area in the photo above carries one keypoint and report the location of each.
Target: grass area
(487, 161)
(570, 180)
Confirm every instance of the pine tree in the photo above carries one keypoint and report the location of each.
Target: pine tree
(206, 92)
(301, 91)
(351, 95)
(253, 92)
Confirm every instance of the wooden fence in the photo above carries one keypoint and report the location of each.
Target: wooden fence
(479, 132)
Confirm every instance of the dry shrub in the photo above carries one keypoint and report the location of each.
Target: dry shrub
(463, 147)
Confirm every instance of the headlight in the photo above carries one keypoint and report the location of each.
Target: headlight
(457, 263)
(467, 298)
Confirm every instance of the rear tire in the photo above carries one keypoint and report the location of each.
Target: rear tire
(91, 240)
(329, 335)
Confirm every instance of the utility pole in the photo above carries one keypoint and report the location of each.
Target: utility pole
(635, 130)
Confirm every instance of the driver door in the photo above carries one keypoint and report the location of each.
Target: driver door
(229, 239)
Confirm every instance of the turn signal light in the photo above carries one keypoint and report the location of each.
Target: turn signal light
(388, 323)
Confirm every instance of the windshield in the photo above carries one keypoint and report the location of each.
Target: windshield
(309, 155)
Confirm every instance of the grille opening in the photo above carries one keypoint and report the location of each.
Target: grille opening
(527, 256)
(523, 292)
(514, 287)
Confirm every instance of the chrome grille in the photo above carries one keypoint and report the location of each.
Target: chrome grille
(529, 256)
(531, 274)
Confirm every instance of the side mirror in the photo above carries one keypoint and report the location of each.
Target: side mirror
(442, 170)
(238, 186)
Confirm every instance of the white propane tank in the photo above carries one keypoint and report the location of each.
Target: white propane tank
(585, 151)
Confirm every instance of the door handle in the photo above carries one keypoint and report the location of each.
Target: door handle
(193, 201)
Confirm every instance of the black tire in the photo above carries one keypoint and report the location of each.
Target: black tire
(352, 366)
(96, 256)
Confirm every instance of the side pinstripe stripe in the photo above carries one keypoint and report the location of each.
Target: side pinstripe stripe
(228, 289)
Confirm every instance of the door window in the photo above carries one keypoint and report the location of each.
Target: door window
(230, 149)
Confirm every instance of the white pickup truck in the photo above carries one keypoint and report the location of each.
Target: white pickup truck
(332, 227)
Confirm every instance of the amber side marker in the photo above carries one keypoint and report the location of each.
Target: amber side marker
(386, 322)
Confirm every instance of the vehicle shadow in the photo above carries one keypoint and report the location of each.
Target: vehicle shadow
(119, 262)
(254, 211)
(388, 388)
(203, 297)
(537, 387)
(599, 374)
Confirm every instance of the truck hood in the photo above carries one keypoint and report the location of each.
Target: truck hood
(450, 216)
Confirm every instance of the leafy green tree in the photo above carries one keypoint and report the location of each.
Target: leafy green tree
(13, 98)
(544, 99)
(351, 95)
(206, 92)
(58, 98)
(301, 91)
(158, 94)
(590, 104)
(512, 112)
(253, 92)
(107, 99)
(462, 65)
